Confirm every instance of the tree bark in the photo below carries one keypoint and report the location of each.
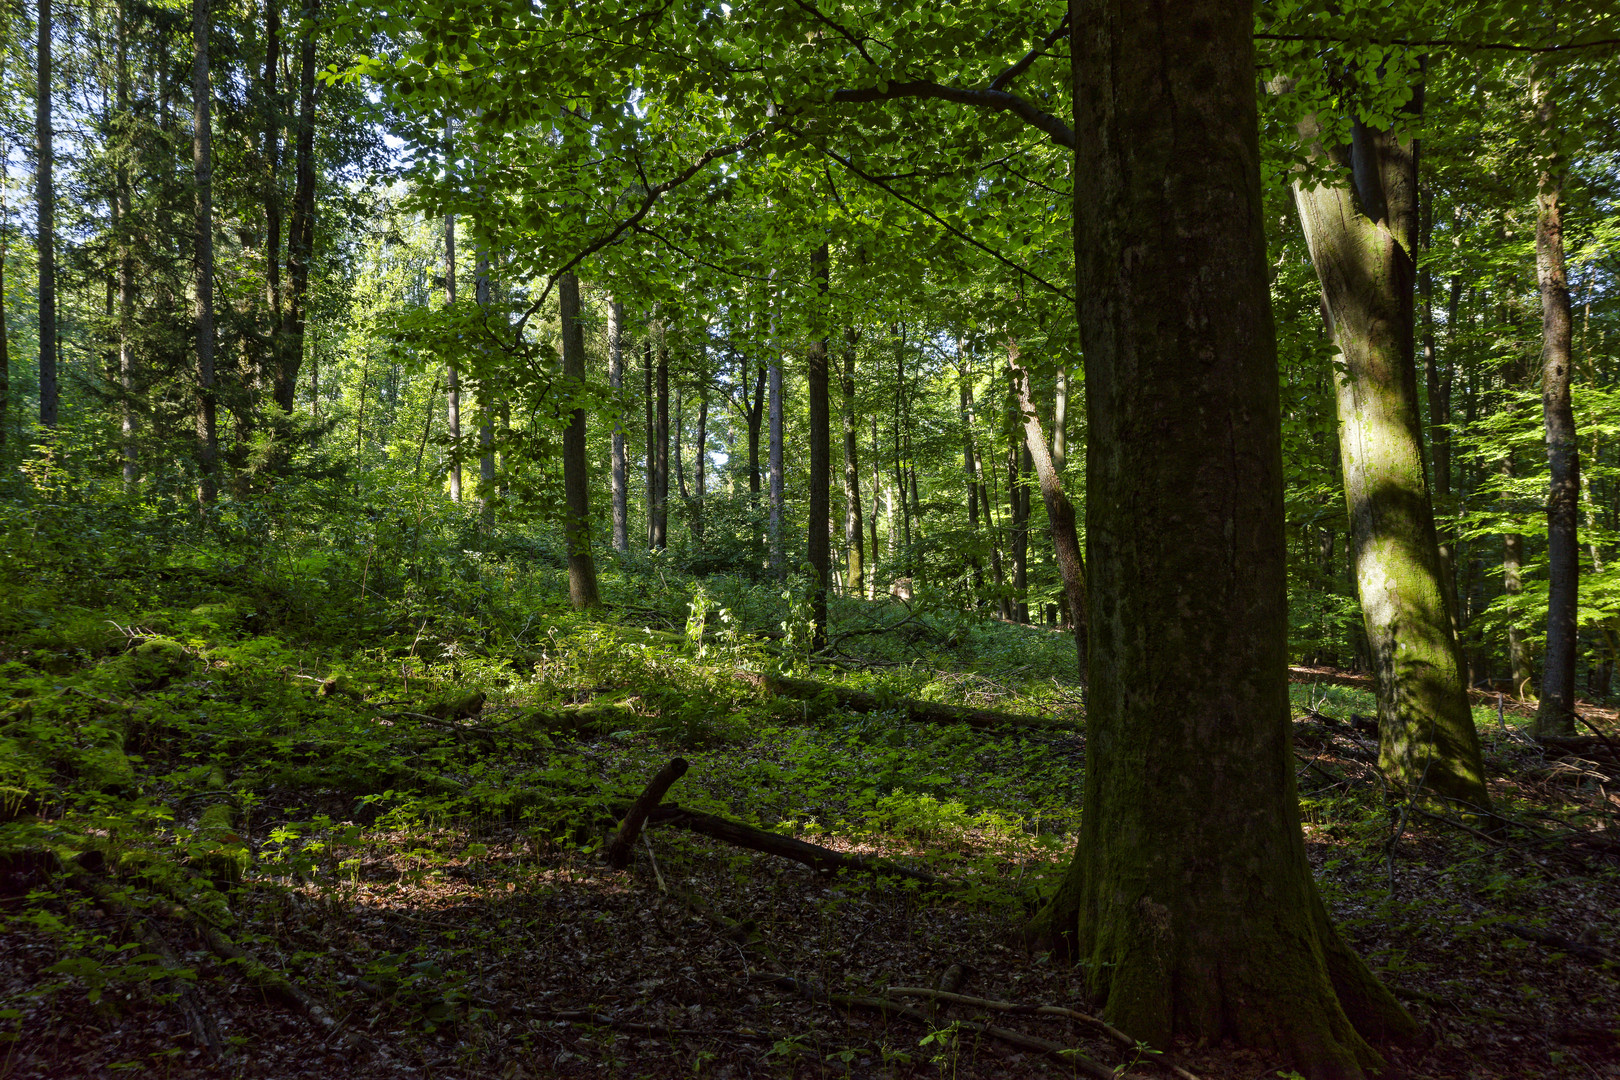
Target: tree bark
(301, 229)
(453, 391)
(677, 453)
(1190, 898)
(651, 428)
(270, 105)
(1556, 713)
(1059, 510)
(778, 560)
(45, 195)
(854, 536)
(485, 397)
(1524, 673)
(122, 206)
(1361, 233)
(576, 472)
(817, 375)
(965, 407)
(877, 496)
(203, 164)
(1060, 424)
(621, 468)
(700, 456)
(660, 515)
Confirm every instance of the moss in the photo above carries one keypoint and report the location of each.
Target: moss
(149, 665)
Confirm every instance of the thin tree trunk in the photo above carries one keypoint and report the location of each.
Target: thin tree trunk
(756, 415)
(700, 458)
(5, 328)
(621, 468)
(453, 377)
(964, 394)
(1190, 897)
(270, 104)
(45, 194)
(678, 453)
(1060, 423)
(301, 230)
(854, 537)
(1018, 530)
(1556, 714)
(661, 460)
(651, 439)
(778, 558)
(576, 473)
(122, 208)
(877, 497)
(485, 399)
(1059, 510)
(899, 443)
(817, 548)
(203, 163)
(1362, 243)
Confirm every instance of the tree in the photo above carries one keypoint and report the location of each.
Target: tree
(1361, 228)
(582, 591)
(854, 539)
(1556, 712)
(203, 281)
(620, 469)
(1190, 896)
(817, 546)
(45, 198)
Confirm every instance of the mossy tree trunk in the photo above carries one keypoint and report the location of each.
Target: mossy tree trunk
(1190, 899)
(1361, 233)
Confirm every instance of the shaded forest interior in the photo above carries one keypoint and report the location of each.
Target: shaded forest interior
(809, 540)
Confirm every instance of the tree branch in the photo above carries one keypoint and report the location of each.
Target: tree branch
(994, 100)
(1013, 72)
(953, 230)
(1446, 43)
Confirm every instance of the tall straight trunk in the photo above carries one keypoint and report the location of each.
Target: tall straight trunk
(122, 206)
(854, 538)
(270, 106)
(453, 373)
(301, 229)
(1018, 526)
(576, 474)
(485, 398)
(877, 507)
(817, 380)
(1059, 510)
(964, 395)
(1190, 896)
(1060, 427)
(1556, 713)
(756, 416)
(898, 440)
(678, 453)
(1441, 379)
(700, 472)
(620, 466)
(1361, 232)
(203, 163)
(661, 451)
(651, 436)
(45, 195)
(5, 329)
(777, 558)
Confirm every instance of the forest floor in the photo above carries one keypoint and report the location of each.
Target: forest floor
(413, 883)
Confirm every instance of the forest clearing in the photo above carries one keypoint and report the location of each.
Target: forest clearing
(809, 539)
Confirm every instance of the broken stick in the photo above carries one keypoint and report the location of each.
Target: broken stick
(624, 840)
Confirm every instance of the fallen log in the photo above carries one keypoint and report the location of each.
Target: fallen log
(624, 840)
(821, 698)
(816, 857)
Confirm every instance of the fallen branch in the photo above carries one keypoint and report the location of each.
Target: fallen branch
(1069, 1056)
(624, 840)
(1593, 953)
(824, 697)
(814, 856)
(1035, 1010)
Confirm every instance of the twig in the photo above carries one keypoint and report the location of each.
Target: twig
(1035, 1010)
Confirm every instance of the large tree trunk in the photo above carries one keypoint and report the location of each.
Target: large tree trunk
(1556, 714)
(1362, 243)
(1059, 510)
(453, 391)
(45, 195)
(576, 475)
(301, 230)
(817, 377)
(854, 537)
(1190, 898)
(202, 153)
(621, 468)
